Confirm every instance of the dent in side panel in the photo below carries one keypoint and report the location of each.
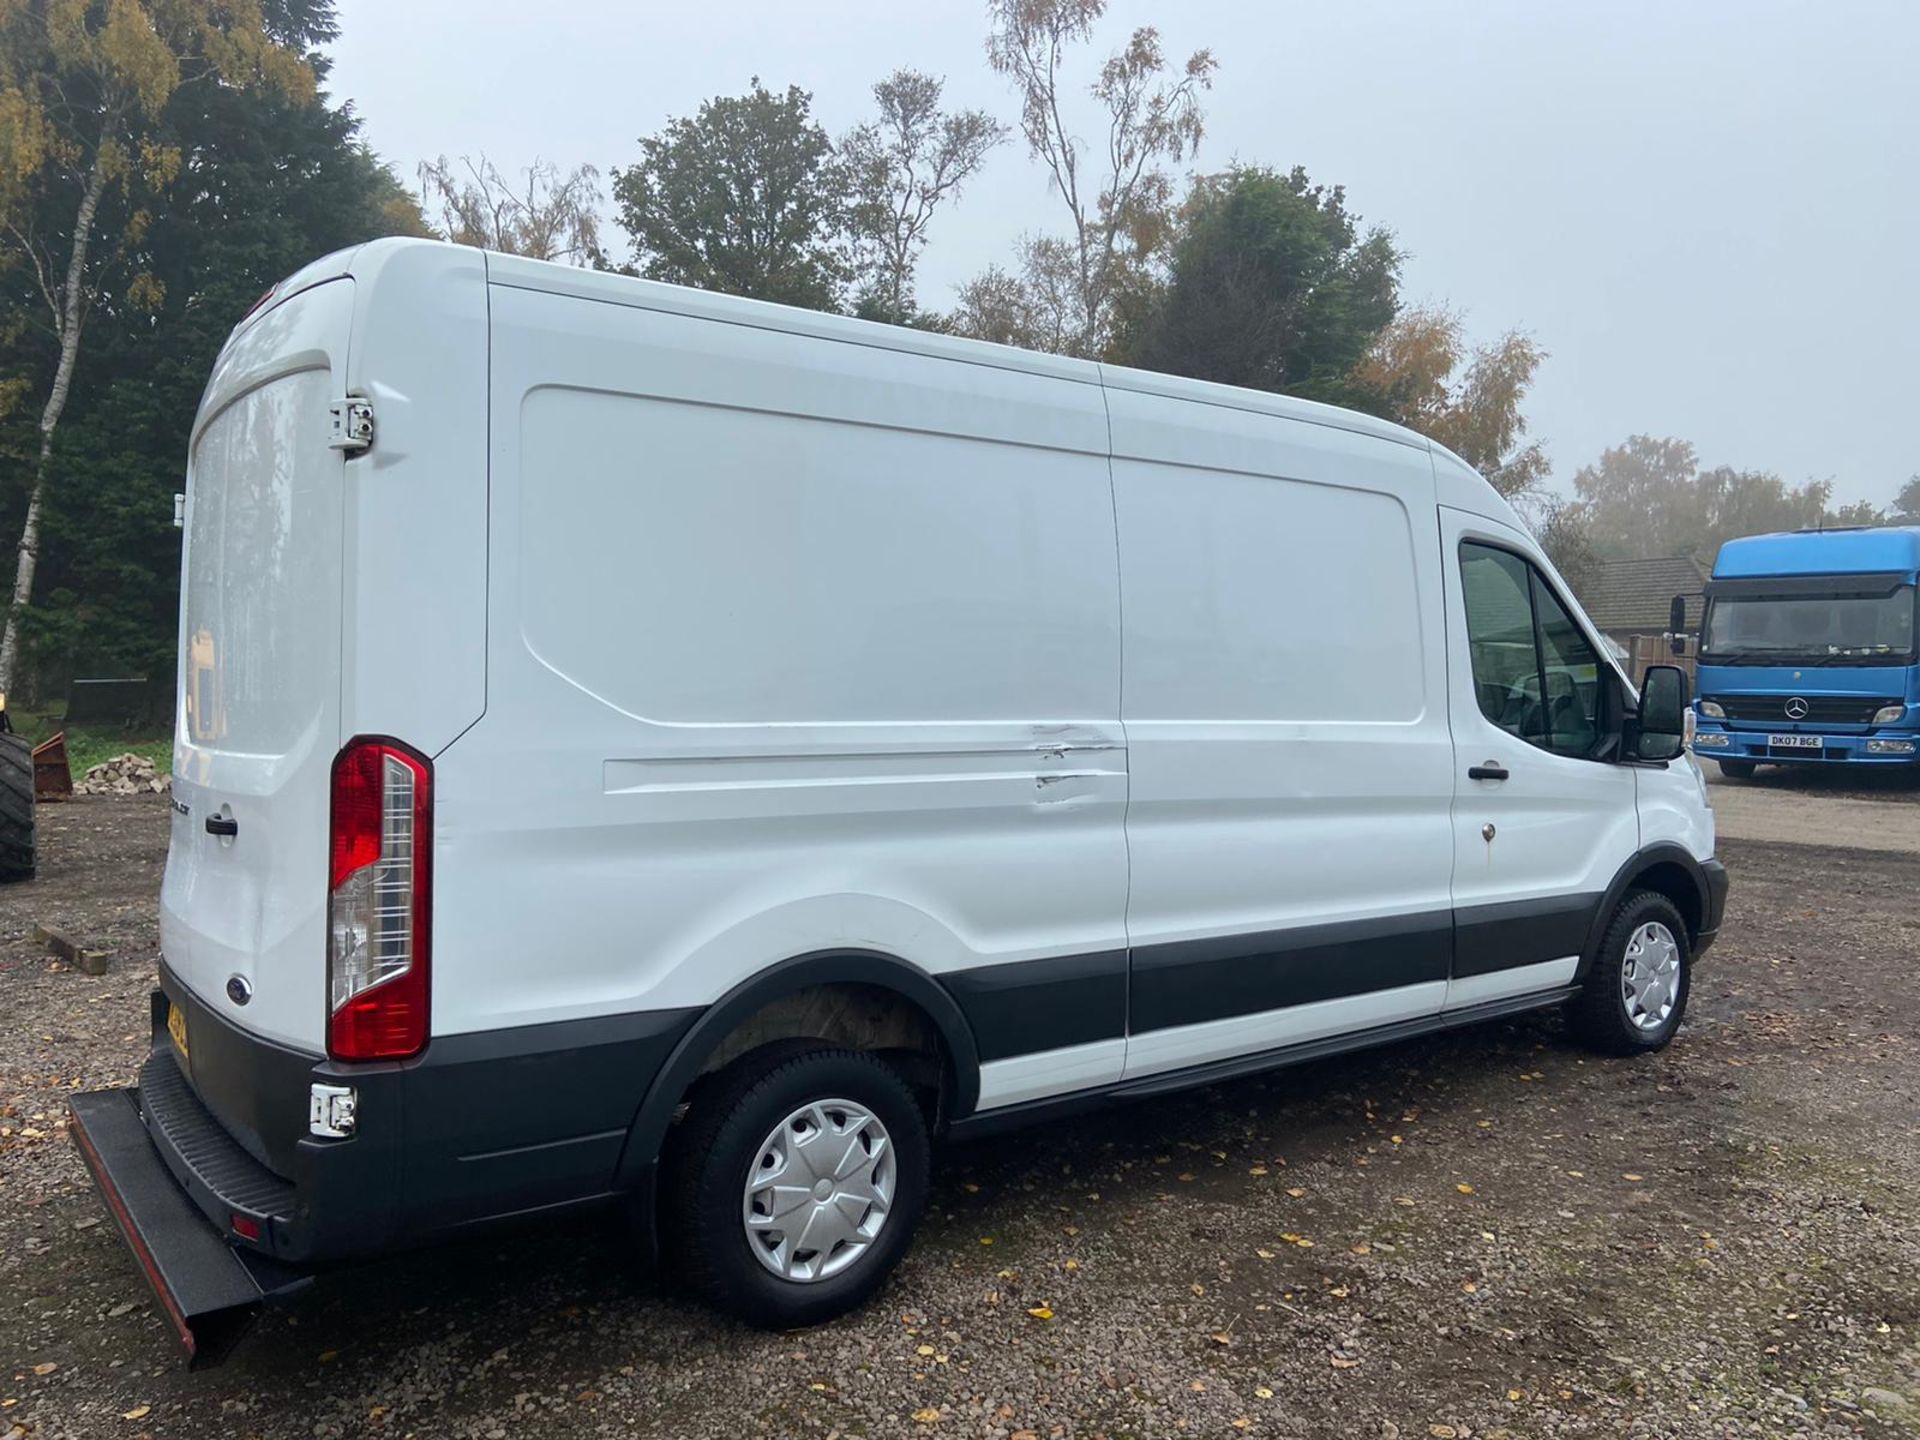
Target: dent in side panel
(415, 622)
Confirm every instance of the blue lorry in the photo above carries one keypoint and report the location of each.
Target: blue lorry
(1808, 651)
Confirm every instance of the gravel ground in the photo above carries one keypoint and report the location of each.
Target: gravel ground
(1879, 810)
(1481, 1234)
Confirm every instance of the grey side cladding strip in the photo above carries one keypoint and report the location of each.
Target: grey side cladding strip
(1032, 1005)
(1487, 938)
(1192, 981)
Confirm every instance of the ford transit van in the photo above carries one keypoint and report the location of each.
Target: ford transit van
(651, 749)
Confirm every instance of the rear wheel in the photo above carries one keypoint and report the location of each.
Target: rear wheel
(16, 808)
(1636, 993)
(795, 1183)
(1738, 769)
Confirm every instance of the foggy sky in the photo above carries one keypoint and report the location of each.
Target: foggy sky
(1708, 213)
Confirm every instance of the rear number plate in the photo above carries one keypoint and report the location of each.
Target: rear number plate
(1796, 742)
(177, 1028)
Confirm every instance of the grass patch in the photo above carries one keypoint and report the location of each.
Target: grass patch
(89, 745)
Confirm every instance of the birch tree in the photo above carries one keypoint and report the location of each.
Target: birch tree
(84, 85)
(1117, 194)
(544, 214)
(902, 167)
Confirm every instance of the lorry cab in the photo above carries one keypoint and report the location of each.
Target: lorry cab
(650, 749)
(1808, 651)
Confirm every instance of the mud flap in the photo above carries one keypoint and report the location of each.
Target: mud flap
(211, 1291)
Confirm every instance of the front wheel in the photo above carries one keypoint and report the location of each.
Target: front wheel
(1636, 992)
(1738, 769)
(795, 1184)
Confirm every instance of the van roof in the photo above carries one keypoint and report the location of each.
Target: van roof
(516, 271)
(1821, 552)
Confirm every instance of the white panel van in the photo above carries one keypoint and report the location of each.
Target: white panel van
(648, 748)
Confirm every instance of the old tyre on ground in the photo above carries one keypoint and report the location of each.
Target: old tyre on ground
(1738, 769)
(794, 1184)
(1636, 993)
(16, 807)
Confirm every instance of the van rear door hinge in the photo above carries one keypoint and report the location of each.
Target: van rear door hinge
(350, 425)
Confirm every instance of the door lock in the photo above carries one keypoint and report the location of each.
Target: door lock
(1486, 832)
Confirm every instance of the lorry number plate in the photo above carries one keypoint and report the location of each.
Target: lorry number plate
(1796, 742)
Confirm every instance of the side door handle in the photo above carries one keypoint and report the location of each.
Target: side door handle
(1492, 770)
(222, 825)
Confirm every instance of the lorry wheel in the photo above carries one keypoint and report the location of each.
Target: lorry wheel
(794, 1184)
(16, 808)
(1738, 769)
(1636, 992)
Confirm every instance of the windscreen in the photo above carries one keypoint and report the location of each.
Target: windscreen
(1812, 627)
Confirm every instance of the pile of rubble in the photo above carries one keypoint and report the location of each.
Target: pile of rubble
(123, 775)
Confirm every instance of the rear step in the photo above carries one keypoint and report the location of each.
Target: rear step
(210, 1290)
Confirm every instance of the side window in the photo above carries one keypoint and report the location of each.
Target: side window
(1506, 664)
(1534, 672)
(1572, 671)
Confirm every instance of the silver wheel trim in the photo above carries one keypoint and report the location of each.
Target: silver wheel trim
(819, 1190)
(1650, 976)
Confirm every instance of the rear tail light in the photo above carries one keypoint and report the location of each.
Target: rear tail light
(380, 896)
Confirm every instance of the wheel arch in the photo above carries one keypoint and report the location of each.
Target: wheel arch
(1668, 868)
(868, 968)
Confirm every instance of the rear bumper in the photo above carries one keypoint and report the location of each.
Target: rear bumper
(210, 1291)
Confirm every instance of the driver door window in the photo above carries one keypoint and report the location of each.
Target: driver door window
(1535, 673)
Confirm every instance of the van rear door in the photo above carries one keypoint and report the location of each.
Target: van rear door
(243, 904)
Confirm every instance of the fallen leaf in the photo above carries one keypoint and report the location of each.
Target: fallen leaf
(1221, 1337)
(45, 1367)
(1264, 1254)
(138, 1412)
(1631, 1176)
(1263, 1392)
(1469, 1287)
(1197, 1288)
(1464, 1188)
(986, 1239)
(1342, 1362)
(1071, 1266)
(1296, 1191)
(1363, 1248)
(1041, 1312)
(327, 1357)
(1186, 1175)
(928, 1416)
(1241, 1424)
(1442, 1432)
(923, 1350)
(1257, 1170)
(1516, 1395)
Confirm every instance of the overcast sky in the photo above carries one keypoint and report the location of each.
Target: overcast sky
(1708, 213)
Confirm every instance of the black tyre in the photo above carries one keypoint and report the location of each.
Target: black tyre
(1739, 769)
(794, 1184)
(16, 808)
(1636, 994)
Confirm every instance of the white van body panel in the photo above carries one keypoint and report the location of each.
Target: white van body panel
(1285, 711)
(415, 565)
(755, 697)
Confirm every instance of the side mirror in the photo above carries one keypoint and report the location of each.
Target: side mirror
(1677, 625)
(1662, 730)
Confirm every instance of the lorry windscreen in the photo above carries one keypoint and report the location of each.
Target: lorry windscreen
(1761, 629)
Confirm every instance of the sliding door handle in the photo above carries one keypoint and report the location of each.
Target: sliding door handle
(1492, 770)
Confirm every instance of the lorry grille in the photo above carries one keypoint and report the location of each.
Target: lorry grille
(1821, 709)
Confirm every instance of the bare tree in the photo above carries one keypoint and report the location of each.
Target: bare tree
(1119, 201)
(902, 167)
(544, 215)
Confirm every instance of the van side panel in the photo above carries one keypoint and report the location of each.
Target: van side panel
(415, 616)
(1289, 755)
(797, 645)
